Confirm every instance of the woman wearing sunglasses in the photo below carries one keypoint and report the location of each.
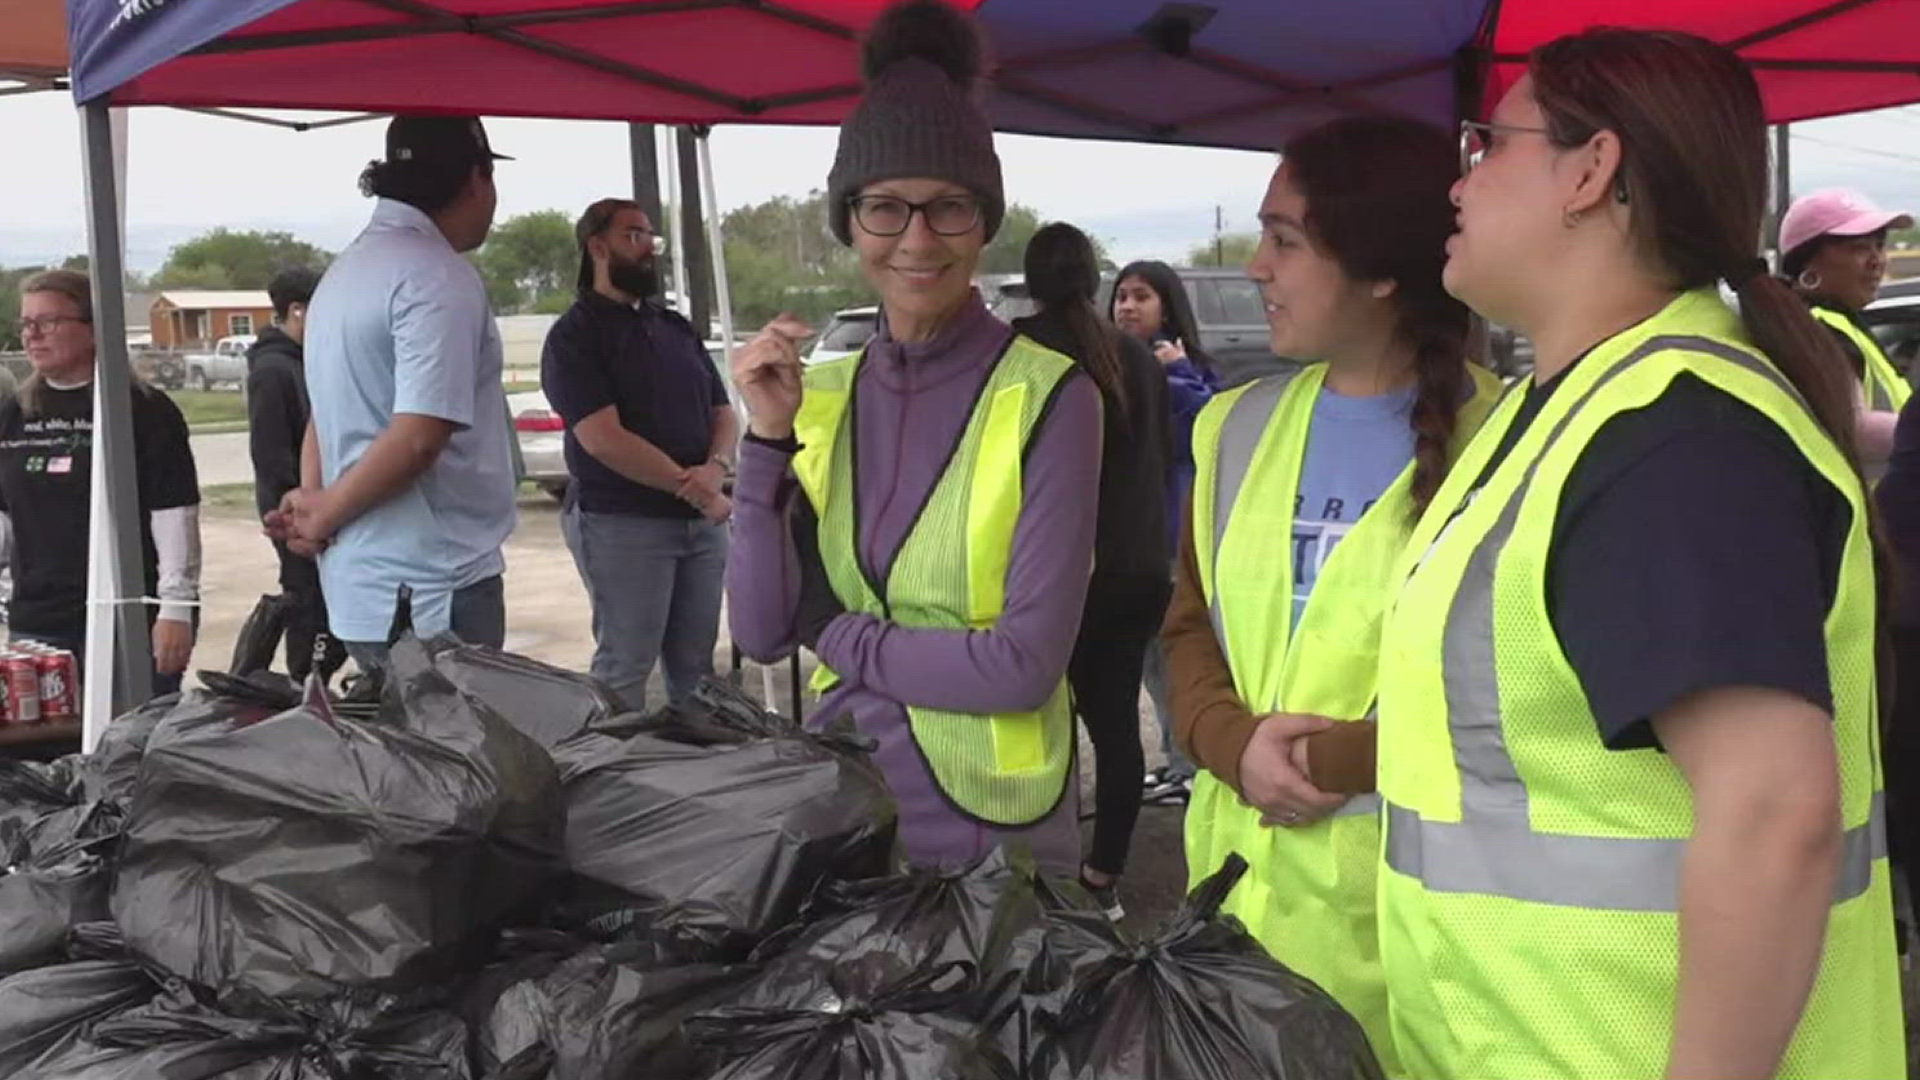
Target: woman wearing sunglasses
(922, 515)
(1627, 704)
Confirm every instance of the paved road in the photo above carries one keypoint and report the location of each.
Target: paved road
(222, 459)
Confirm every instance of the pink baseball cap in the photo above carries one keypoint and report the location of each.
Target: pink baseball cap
(1835, 212)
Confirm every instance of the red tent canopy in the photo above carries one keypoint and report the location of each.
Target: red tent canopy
(1814, 59)
(1225, 73)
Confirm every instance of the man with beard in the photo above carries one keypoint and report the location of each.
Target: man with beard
(650, 442)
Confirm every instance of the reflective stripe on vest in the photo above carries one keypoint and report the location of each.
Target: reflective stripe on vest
(1496, 849)
(1886, 390)
(1531, 882)
(1006, 769)
(1309, 893)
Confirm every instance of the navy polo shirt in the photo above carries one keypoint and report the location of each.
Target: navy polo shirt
(648, 364)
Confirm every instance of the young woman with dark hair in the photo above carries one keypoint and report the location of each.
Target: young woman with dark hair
(1150, 304)
(1627, 710)
(1271, 646)
(1128, 593)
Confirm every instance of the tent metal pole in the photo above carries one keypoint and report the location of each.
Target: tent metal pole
(119, 669)
(677, 238)
(644, 150)
(716, 247)
(1782, 186)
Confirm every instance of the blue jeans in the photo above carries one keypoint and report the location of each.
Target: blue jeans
(478, 616)
(656, 585)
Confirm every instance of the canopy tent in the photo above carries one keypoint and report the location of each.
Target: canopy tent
(1230, 73)
(1226, 73)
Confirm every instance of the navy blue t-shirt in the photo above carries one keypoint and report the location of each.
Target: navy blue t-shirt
(648, 364)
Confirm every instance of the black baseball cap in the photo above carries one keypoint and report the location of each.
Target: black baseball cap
(459, 139)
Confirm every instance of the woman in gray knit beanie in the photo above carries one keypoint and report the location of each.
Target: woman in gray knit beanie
(938, 557)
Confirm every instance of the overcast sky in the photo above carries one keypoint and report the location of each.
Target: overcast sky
(189, 173)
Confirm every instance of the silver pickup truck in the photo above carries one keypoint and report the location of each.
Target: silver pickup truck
(227, 363)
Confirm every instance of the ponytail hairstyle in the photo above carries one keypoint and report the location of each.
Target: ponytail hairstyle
(1693, 165)
(1063, 273)
(1355, 174)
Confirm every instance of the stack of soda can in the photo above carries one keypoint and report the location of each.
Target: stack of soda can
(37, 683)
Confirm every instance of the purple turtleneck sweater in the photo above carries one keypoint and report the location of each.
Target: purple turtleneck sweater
(911, 403)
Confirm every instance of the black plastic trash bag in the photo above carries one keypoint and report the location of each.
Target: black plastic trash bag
(259, 638)
(53, 877)
(1202, 1000)
(610, 1012)
(306, 853)
(548, 703)
(713, 822)
(45, 1012)
(182, 1035)
(30, 790)
(861, 936)
(914, 1029)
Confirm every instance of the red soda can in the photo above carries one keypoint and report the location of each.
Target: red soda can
(59, 690)
(23, 688)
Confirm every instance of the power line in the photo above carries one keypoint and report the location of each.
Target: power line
(1893, 155)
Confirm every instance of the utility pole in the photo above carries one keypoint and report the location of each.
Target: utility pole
(1219, 249)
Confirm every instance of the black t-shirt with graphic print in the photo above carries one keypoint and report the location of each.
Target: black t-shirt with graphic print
(1695, 547)
(46, 469)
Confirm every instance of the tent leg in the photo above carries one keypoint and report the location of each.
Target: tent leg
(645, 152)
(1782, 186)
(715, 242)
(119, 670)
(677, 239)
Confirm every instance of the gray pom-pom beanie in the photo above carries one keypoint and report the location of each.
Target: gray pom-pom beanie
(920, 116)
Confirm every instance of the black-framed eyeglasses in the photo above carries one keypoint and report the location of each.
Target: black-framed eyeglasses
(46, 324)
(889, 215)
(1476, 138)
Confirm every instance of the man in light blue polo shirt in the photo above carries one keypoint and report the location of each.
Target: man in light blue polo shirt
(408, 475)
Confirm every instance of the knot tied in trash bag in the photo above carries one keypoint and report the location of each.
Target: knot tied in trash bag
(1200, 999)
(311, 853)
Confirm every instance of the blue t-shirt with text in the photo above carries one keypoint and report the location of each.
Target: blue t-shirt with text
(1356, 448)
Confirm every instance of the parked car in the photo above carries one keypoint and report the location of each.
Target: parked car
(159, 367)
(1226, 304)
(846, 333)
(542, 434)
(1895, 321)
(227, 363)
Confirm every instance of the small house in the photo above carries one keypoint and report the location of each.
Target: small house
(194, 319)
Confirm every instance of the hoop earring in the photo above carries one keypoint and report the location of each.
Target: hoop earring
(1809, 280)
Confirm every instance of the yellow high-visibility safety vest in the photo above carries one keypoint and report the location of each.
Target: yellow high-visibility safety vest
(1309, 892)
(1530, 882)
(1886, 390)
(1007, 770)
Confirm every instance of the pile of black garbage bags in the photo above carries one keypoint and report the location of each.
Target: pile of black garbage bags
(494, 873)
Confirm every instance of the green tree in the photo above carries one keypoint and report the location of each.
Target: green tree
(1233, 249)
(10, 280)
(528, 257)
(1904, 238)
(226, 259)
